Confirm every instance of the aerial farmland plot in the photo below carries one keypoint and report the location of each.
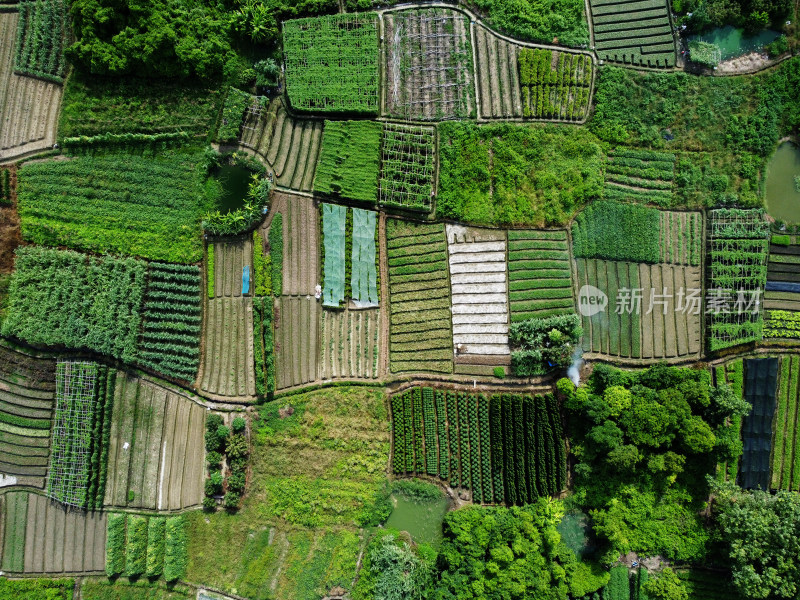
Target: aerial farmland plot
(377, 301)
(30, 85)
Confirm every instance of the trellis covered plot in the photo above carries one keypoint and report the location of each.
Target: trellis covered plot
(507, 448)
(428, 58)
(332, 63)
(407, 167)
(81, 429)
(737, 268)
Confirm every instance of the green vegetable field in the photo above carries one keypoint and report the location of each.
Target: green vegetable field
(373, 300)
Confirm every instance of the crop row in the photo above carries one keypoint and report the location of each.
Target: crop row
(420, 333)
(561, 92)
(170, 338)
(5, 185)
(507, 448)
(782, 324)
(616, 231)
(41, 33)
(141, 205)
(139, 546)
(538, 269)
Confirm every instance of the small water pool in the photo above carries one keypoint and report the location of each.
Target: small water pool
(782, 195)
(733, 42)
(234, 180)
(422, 519)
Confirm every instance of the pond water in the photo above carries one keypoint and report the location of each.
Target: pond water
(733, 42)
(783, 198)
(421, 519)
(234, 180)
(576, 532)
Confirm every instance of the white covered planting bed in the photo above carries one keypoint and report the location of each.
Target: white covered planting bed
(477, 259)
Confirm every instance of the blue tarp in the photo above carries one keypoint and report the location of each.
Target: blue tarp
(783, 286)
(246, 279)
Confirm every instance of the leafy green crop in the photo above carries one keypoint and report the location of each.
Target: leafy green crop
(136, 204)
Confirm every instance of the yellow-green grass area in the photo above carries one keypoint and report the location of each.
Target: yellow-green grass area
(124, 589)
(318, 482)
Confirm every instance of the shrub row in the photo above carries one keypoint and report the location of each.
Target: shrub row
(138, 545)
(5, 186)
(276, 253)
(262, 268)
(264, 345)
(225, 446)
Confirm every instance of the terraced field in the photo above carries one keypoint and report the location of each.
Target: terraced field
(634, 32)
(656, 326)
(300, 243)
(28, 107)
(297, 339)
(420, 332)
(155, 458)
(640, 176)
(539, 276)
(289, 146)
(428, 64)
(39, 537)
(349, 344)
(477, 260)
(27, 394)
(498, 75)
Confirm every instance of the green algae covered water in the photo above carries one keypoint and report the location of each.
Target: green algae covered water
(235, 180)
(733, 42)
(783, 174)
(422, 519)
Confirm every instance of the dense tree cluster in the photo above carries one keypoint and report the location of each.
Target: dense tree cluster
(643, 441)
(753, 15)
